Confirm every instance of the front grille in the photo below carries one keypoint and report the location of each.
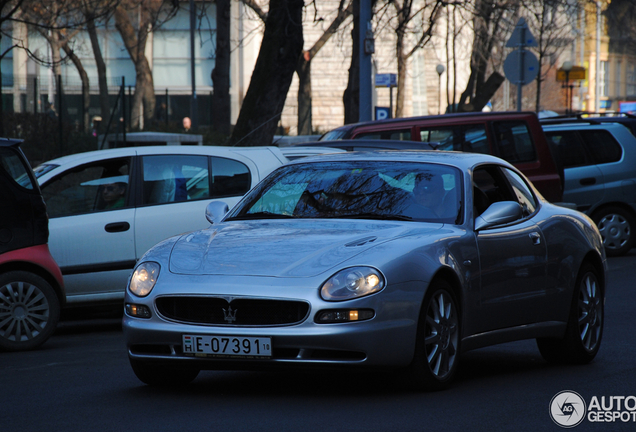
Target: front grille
(238, 312)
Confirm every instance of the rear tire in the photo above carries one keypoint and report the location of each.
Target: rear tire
(438, 337)
(162, 376)
(584, 331)
(29, 311)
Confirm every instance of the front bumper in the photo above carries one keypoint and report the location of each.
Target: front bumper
(387, 339)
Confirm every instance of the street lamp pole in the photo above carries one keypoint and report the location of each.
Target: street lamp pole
(440, 70)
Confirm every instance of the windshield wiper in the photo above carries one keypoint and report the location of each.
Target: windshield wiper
(261, 215)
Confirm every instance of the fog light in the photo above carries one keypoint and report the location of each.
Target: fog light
(343, 315)
(137, 311)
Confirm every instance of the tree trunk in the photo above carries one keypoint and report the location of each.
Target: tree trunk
(104, 103)
(351, 97)
(135, 42)
(303, 70)
(272, 76)
(86, 93)
(221, 103)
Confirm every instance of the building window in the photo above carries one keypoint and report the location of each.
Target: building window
(604, 79)
(171, 50)
(631, 80)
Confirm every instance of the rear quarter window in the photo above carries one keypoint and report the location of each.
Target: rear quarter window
(602, 146)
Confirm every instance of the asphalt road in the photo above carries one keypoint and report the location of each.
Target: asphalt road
(80, 380)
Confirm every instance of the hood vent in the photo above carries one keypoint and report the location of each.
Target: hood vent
(361, 242)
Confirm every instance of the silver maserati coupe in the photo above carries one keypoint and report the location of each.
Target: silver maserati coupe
(396, 259)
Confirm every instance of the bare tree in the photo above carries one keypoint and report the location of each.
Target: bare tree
(97, 12)
(9, 9)
(413, 22)
(135, 19)
(351, 95)
(303, 67)
(221, 102)
(265, 98)
(491, 25)
(551, 23)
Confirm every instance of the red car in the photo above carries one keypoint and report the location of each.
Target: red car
(514, 136)
(31, 286)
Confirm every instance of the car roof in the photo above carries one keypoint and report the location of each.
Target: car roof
(367, 144)
(9, 142)
(146, 150)
(464, 161)
(457, 116)
(582, 124)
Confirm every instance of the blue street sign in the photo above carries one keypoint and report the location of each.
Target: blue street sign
(382, 113)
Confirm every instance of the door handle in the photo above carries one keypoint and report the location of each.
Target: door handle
(587, 181)
(535, 237)
(117, 227)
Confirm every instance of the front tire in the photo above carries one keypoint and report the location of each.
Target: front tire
(584, 331)
(162, 376)
(617, 230)
(29, 311)
(438, 337)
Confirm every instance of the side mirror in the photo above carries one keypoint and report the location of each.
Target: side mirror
(215, 211)
(498, 213)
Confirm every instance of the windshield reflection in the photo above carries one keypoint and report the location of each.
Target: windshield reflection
(365, 190)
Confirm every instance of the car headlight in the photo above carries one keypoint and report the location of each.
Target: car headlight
(144, 278)
(353, 282)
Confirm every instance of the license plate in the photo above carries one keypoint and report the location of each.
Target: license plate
(227, 346)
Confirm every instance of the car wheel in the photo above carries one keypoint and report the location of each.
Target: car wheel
(29, 311)
(584, 330)
(616, 227)
(162, 376)
(438, 337)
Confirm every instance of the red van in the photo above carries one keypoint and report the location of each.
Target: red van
(514, 136)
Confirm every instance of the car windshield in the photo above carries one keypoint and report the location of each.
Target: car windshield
(363, 190)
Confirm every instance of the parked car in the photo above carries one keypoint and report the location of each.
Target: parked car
(108, 207)
(599, 162)
(514, 136)
(373, 259)
(31, 285)
(626, 119)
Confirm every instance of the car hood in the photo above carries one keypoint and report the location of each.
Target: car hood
(282, 248)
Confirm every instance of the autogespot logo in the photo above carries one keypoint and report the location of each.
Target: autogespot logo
(567, 409)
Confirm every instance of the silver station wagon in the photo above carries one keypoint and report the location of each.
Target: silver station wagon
(397, 259)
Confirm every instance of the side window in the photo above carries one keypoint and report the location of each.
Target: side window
(570, 149)
(524, 195)
(98, 186)
(229, 178)
(470, 138)
(174, 178)
(490, 185)
(513, 141)
(602, 146)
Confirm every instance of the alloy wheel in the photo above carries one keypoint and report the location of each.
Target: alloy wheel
(441, 334)
(24, 311)
(590, 311)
